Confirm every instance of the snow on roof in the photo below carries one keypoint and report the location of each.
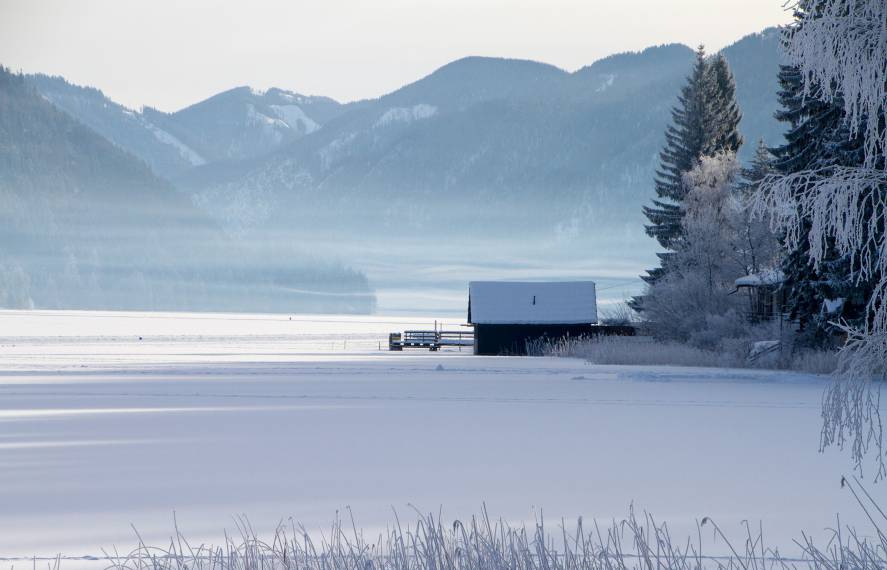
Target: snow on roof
(769, 277)
(510, 302)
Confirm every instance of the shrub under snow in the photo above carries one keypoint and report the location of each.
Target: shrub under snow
(647, 351)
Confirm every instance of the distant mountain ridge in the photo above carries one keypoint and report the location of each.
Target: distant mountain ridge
(477, 149)
(488, 143)
(236, 124)
(244, 123)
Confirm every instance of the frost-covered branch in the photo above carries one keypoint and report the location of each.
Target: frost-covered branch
(843, 211)
(840, 49)
(840, 46)
(842, 208)
(851, 405)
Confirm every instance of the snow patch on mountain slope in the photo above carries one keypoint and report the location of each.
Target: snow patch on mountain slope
(406, 114)
(262, 119)
(272, 127)
(293, 116)
(185, 151)
(606, 83)
(293, 97)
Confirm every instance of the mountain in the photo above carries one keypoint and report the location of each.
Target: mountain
(485, 145)
(85, 224)
(236, 124)
(244, 123)
(492, 162)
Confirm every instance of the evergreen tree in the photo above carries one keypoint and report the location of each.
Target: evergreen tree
(760, 167)
(724, 136)
(685, 141)
(817, 137)
(704, 123)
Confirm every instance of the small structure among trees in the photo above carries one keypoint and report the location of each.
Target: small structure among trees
(765, 294)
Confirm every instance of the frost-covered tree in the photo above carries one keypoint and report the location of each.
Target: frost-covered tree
(709, 223)
(704, 123)
(817, 137)
(695, 299)
(839, 48)
(702, 270)
(685, 141)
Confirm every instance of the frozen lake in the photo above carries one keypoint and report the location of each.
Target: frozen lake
(434, 281)
(115, 419)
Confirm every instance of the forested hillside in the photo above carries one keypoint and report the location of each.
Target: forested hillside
(85, 224)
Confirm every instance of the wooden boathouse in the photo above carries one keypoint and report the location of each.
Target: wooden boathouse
(507, 315)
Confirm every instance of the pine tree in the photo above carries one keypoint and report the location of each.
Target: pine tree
(817, 137)
(704, 123)
(725, 135)
(685, 140)
(761, 166)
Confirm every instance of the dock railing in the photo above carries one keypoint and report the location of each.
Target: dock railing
(431, 339)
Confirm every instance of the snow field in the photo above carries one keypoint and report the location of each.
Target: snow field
(214, 416)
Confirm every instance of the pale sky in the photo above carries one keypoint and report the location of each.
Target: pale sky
(169, 54)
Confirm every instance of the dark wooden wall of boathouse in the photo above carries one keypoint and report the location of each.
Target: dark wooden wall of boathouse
(512, 339)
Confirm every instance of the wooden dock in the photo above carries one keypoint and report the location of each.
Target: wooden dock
(433, 340)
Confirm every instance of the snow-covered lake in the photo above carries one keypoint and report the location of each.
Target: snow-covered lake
(115, 419)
